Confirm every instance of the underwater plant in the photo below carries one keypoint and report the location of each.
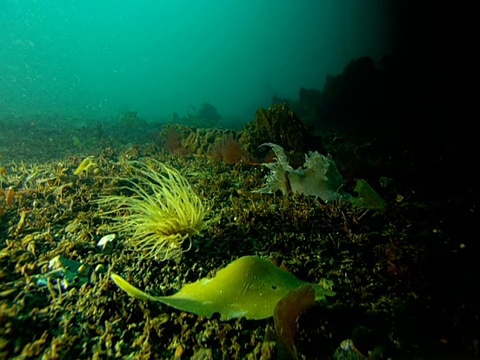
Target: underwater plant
(86, 164)
(130, 120)
(206, 117)
(161, 212)
(248, 287)
(319, 176)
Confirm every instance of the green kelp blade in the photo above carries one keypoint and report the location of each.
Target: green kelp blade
(367, 198)
(248, 287)
(130, 289)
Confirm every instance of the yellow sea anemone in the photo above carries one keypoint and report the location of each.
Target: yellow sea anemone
(161, 212)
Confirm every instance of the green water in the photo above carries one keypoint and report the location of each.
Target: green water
(98, 59)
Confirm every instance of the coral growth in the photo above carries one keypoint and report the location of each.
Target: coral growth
(130, 120)
(187, 140)
(280, 125)
(171, 141)
(206, 117)
(227, 149)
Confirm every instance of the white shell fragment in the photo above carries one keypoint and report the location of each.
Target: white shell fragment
(104, 241)
(82, 270)
(55, 263)
(99, 269)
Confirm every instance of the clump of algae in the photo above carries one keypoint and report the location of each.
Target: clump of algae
(161, 212)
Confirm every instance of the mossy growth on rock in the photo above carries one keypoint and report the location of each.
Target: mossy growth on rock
(278, 124)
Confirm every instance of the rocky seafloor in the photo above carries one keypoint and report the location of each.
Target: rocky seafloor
(404, 278)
